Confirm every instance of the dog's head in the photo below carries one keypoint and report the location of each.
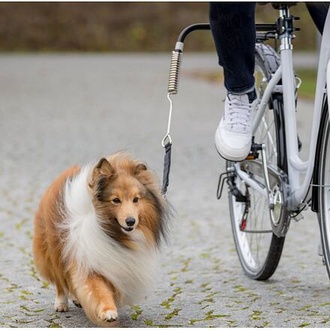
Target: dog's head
(126, 197)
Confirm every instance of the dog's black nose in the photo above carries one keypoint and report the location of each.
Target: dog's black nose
(130, 222)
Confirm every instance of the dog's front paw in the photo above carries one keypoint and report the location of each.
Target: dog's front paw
(109, 315)
(61, 307)
(61, 303)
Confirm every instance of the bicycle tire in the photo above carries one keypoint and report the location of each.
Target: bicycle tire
(259, 249)
(323, 184)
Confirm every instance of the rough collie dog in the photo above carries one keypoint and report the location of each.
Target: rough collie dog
(97, 234)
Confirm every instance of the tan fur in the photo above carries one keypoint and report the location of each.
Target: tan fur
(46, 242)
(117, 177)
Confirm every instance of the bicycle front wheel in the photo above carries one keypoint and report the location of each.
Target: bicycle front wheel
(258, 248)
(324, 184)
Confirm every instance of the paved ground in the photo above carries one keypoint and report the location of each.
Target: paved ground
(59, 110)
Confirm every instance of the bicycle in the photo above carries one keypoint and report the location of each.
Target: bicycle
(273, 185)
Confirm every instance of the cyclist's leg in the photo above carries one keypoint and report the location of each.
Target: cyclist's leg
(318, 11)
(233, 29)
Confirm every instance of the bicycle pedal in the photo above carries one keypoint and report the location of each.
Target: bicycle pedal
(254, 152)
(252, 156)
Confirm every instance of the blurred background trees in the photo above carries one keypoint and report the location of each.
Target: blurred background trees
(118, 26)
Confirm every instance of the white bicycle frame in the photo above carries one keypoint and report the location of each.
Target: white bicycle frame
(298, 188)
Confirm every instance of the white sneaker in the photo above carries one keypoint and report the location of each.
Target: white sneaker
(233, 136)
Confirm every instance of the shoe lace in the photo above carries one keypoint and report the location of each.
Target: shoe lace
(238, 116)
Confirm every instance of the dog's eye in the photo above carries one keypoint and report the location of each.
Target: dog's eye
(135, 199)
(116, 201)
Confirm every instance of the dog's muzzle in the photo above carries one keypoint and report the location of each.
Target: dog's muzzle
(130, 222)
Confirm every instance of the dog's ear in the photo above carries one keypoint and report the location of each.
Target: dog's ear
(104, 168)
(140, 168)
(101, 174)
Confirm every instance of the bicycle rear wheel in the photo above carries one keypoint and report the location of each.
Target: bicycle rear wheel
(258, 248)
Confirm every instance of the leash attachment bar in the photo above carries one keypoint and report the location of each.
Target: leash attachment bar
(177, 55)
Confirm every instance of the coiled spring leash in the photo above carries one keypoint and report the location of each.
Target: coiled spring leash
(167, 140)
(173, 89)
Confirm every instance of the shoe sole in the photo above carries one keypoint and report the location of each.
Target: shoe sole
(233, 159)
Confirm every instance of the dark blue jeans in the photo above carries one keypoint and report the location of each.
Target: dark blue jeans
(233, 29)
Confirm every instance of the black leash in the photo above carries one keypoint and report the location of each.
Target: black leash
(167, 167)
(167, 145)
